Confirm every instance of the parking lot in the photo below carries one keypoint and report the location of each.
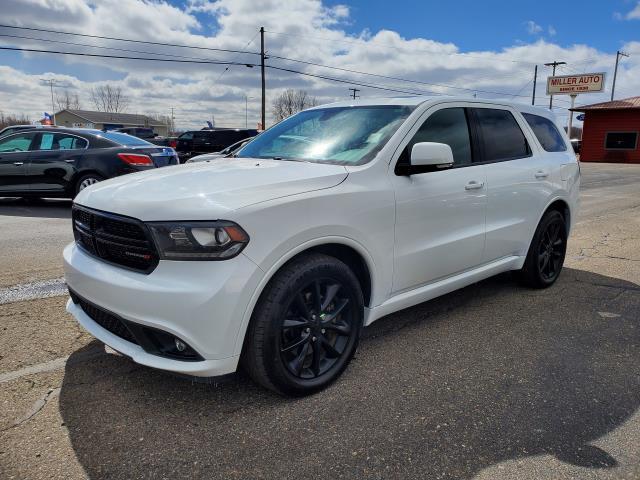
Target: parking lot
(493, 382)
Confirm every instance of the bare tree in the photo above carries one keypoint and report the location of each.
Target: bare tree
(109, 98)
(68, 101)
(12, 119)
(291, 101)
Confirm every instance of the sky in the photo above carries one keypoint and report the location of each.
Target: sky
(487, 49)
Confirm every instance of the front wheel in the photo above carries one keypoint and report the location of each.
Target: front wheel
(305, 329)
(547, 251)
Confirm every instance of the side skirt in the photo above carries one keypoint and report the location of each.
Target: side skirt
(441, 287)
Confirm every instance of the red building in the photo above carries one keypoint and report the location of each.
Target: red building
(611, 131)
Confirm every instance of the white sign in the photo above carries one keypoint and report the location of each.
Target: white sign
(572, 84)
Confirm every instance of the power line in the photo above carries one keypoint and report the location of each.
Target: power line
(219, 62)
(360, 84)
(60, 32)
(77, 44)
(84, 54)
(211, 62)
(227, 68)
(419, 82)
(271, 56)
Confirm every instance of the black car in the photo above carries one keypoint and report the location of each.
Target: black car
(196, 142)
(149, 135)
(60, 163)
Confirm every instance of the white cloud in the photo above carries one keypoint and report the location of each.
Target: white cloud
(532, 27)
(552, 31)
(634, 14)
(299, 29)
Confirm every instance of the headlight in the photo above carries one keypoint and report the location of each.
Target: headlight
(217, 240)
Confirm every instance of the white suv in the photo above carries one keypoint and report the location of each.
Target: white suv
(342, 214)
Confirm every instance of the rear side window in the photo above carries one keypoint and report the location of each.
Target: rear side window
(621, 140)
(60, 141)
(69, 142)
(501, 135)
(449, 126)
(546, 132)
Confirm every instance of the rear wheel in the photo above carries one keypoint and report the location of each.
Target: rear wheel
(547, 251)
(87, 180)
(306, 326)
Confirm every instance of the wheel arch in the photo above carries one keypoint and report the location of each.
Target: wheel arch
(352, 253)
(558, 204)
(79, 174)
(562, 206)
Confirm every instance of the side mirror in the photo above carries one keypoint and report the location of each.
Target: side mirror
(431, 154)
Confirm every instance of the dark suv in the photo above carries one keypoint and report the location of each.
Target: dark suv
(196, 142)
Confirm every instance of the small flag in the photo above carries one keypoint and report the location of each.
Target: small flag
(210, 124)
(47, 119)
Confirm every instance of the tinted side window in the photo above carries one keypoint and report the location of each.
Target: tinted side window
(16, 143)
(449, 126)
(501, 135)
(69, 142)
(186, 136)
(546, 132)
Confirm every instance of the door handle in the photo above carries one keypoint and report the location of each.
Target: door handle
(473, 185)
(541, 174)
(70, 160)
(18, 163)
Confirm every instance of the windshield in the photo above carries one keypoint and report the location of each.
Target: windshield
(338, 135)
(123, 138)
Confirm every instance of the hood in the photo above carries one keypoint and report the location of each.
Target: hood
(207, 190)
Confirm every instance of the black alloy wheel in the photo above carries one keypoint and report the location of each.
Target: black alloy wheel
(546, 254)
(551, 251)
(316, 328)
(305, 328)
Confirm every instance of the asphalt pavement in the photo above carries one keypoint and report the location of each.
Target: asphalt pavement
(494, 381)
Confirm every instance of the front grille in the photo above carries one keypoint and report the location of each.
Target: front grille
(103, 318)
(115, 239)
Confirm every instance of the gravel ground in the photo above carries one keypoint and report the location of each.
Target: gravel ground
(490, 382)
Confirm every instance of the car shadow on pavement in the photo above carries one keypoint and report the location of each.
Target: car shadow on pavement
(445, 389)
(35, 207)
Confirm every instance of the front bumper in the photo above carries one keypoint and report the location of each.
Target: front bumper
(202, 303)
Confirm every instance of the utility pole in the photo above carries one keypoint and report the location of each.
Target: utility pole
(553, 64)
(354, 90)
(173, 122)
(573, 104)
(535, 80)
(615, 71)
(262, 72)
(51, 82)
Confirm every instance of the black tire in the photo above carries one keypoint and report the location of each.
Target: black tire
(86, 180)
(546, 254)
(289, 347)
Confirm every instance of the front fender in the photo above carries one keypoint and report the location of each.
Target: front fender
(282, 259)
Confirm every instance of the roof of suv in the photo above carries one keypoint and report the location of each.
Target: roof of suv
(419, 100)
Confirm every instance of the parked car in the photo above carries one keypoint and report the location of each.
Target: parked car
(196, 142)
(149, 135)
(18, 128)
(326, 222)
(230, 150)
(60, 163)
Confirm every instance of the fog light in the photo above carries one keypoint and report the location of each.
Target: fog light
(180, 345)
